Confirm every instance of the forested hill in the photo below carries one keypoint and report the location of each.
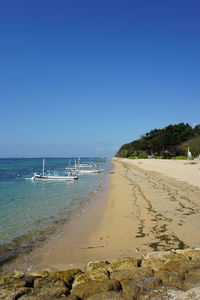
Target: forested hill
(167, 142)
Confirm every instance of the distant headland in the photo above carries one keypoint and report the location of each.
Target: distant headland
(173, 141)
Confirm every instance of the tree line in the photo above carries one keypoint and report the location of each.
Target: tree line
(173, 140)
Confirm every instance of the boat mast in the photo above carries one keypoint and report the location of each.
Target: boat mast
(43, 166)
(78, 164)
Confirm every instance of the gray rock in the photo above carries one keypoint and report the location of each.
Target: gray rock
(147, 282)
(129, 287)
(159, 293)
(193, 294)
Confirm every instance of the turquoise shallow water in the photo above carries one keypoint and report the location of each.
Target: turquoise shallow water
(28, 207)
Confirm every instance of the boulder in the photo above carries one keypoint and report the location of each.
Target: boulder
(129, 287)
(73, 297)
(175, 266)
(45, 286)
(162, 292)
(123, 264)
(41, 282)
(14, 276)
(96, 265)
(170, 278)
(41, 297)
(39, 274)
(133, 274)
(93, 275)
(192, 294)
(66, 276)
(18, 274)
(5, 279)
(12, 294)
(190, 253)
(147, 282)
(192, 279)
(194, 263)
(166, 261)
(110, 296)
(159, 275)
(93, 287)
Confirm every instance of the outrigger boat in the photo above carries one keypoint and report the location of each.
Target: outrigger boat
(87, 169)
(48, 176)
(84, 168)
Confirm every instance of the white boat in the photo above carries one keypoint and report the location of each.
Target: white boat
(89, 171)
(93, 169)
(43, 176)
(83, 168)
(87, 168)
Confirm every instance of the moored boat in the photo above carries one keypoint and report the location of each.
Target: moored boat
(87, 168)
(48, 176)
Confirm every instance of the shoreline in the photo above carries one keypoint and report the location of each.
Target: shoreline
(73, 226)
(32, 210)
(143, 210)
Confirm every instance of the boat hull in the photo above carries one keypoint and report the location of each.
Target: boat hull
(89, 171)
(57, 178)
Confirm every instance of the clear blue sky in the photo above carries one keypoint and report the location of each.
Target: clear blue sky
(82, 77)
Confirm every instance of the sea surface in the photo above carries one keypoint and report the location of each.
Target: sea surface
(30, 210)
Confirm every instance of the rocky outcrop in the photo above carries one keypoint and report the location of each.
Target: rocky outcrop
(156, 276)
(93, 287)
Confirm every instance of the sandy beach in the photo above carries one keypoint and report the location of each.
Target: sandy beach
(149, 205)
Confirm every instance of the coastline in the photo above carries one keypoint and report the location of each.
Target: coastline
(140, 210)
(71, 229)
(35, 212)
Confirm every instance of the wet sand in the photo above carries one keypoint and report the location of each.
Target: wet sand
(143, 210)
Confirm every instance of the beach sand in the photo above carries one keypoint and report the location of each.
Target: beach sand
(150, 205)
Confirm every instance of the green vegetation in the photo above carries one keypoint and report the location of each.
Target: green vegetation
(142, 155)
(179, 157)
(169, 142)
(193, 144)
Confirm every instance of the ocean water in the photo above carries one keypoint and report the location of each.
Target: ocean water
(29, 210)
